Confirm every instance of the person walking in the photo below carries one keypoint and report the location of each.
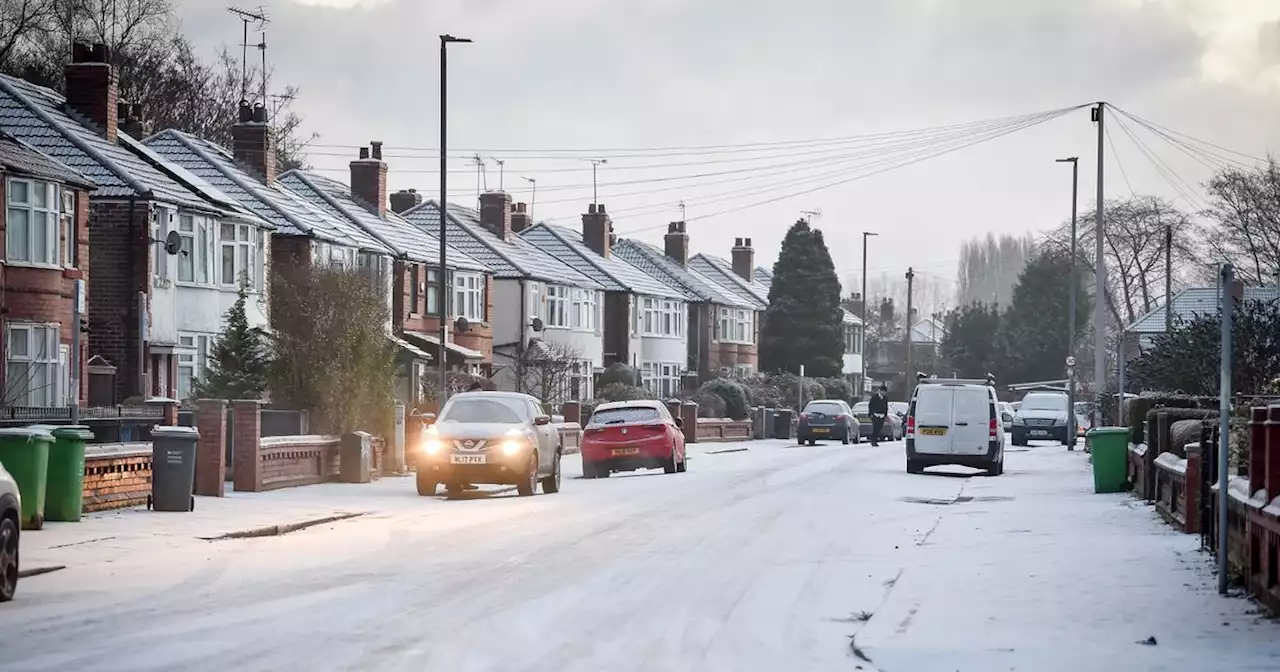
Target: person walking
(878, 407)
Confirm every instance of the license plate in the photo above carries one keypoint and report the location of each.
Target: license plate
(1039, 432)
(820, 430)
(619, 452)
(863, 419)
(933, 431)
(466, 459)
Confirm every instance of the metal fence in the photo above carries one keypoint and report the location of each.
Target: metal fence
(109, 424)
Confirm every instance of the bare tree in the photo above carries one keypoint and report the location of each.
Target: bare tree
(989, 268)
(552, 372)
(22, 23)
(1244, 206)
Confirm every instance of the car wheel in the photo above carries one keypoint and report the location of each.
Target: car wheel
(426, 485)
(914, 467)
(683, 466)
(844, 438)
(994, 469)
(8, 557)
(670, 466)
(588, 469)
(551, 484)
(454, 489)
(813, 442)
(527, 485)
(800, 440)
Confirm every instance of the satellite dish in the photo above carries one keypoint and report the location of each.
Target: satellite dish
(461, 324)
(536, 323)
(173, 242)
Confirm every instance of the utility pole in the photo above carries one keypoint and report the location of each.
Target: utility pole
(77, 315)
(911, 277)
(863, 384)
(445, 287)
(1071, 310)
(533, 199)
(1168, 278)
(595, 163)
(1100, 282)
(1227, 280)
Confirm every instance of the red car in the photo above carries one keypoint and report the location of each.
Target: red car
(630, 435)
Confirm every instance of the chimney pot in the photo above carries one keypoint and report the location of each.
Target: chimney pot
(377, 149)
(413, 191)
(260, 113)
(364, 153)
(746, 242)
(100, 53)
(737, 242)
(600, 208)
(246, 112)
(521, 207)
(591, 209)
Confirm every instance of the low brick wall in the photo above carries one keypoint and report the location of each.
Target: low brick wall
(1141, 470)
(289, 461)
(116, 475)
(1177, 502)
(723, 429)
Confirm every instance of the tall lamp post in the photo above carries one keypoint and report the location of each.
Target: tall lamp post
(447, 290)
(863, 383)
(1071, 317)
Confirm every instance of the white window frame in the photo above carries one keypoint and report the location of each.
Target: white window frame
(432, 295)
(584, 310)
(557, 302)
(737, 325)
(67, 228)
(662, 378)
(49, 214)
(468, 296)
(662, 318)
(197, 250)
(48, 358)
(244, 244)
(193, 360)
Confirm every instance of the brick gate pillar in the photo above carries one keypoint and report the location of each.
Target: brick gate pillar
(1272, 461)
(689, 416)
(246, 417)
(211, 449)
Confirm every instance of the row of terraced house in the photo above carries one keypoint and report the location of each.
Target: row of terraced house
(92, 198)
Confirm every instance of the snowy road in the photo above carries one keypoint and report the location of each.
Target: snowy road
(776, 558)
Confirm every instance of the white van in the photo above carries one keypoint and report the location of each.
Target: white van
(955, 421)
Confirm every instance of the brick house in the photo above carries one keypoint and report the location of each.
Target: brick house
(46, 253)
(415, 293)
(645, 320)
(712, 345)
(132, 303)
(537, 298)
(737, 327)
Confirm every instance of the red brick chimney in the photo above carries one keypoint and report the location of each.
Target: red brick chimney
(405, 199)
(252, 142)
(520, 218)
(597, 230)
(369, 179)
(744, 258)
(677, 243)
(495, 213)
(93, 87)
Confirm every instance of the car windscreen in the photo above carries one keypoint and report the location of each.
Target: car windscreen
(824, 407)
(899, 406)
(493, 409)
(626, 414)
(862, 407)
(1044, 402)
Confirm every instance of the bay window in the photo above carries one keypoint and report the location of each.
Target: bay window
(661, 378)
(468, 296)
(240, 254)
(33, 374)
(32, 221)
(70, 251)
(195, 260)
(433, 291)
(584, 309)
(737, 326)
(558, 306)
(661, 317)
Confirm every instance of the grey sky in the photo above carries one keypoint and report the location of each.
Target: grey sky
(581, 74)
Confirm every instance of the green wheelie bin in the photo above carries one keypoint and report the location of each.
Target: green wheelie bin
(24, 452)
(64, 497)
(1109, 450)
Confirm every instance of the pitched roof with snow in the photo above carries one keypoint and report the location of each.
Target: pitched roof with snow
(763, 276)
(512, 258)
(1192, 302)
(722, 271)
(39, 117)
(395, 231)
(695, 285)
(19, 158)
(289, 213)
(614, 273)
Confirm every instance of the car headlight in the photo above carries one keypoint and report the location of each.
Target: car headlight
(1019, 420)
(511, 447)
(432, 445)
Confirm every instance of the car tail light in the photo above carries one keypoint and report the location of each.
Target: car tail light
(995, 428)
(911, 426)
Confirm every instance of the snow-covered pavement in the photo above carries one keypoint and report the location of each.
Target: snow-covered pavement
(780, 557)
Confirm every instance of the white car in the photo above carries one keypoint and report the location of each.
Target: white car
(10, 515)
(953, 421)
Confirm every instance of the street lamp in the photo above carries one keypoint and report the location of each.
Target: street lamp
(863, 384)
(1071, 317)
(445, 288)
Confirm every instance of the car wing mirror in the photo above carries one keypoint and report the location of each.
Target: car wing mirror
(428, 419)
(542, 420)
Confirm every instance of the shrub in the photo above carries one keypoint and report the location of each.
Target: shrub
(732, 392)
(617, 373)
(710, 405)
(836, 388)
(1140, 410)
(619, 391)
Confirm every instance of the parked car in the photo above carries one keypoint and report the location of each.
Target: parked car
(826, 419)
(1006, 415)
(954, 421)
(894, 423)
(1043, 415)
(631, 435)
(10, 529)
(1084, 414)
(500, 438)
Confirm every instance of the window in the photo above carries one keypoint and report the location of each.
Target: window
(433, 291)
(240, 258)
(33, 376)
(414, 296)
(70, 255)
(661, 378)
(32, 223)
(584, 309)
(558, 306)
(737, 326)
(662, 317)
(468, 296)
(197, 248)
(193, 361)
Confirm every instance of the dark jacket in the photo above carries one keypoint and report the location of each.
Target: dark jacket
(879, 404)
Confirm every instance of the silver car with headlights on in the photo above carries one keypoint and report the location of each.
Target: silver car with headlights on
(500, 438)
